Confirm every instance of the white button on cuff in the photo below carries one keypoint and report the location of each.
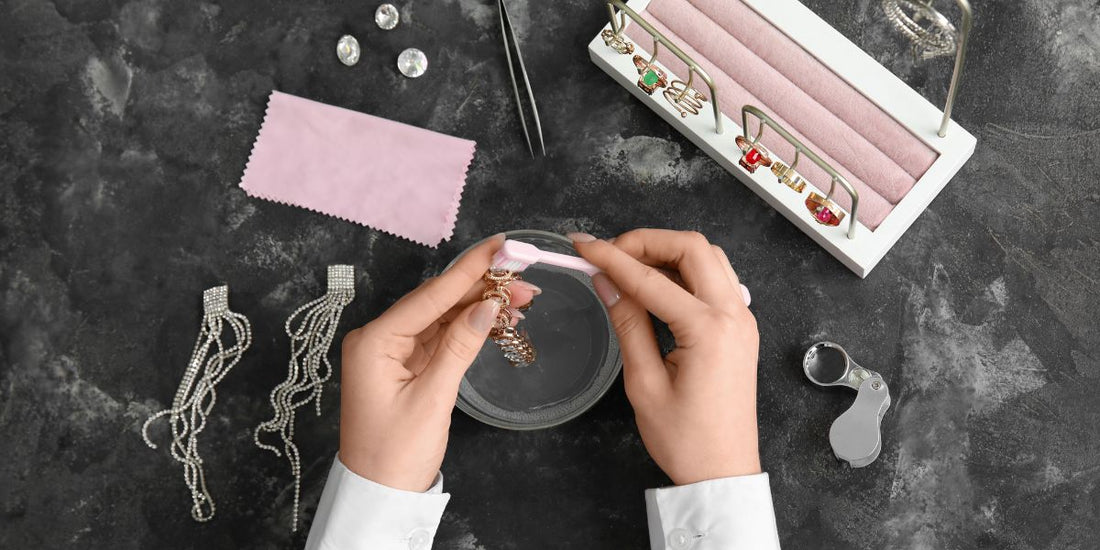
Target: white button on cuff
(420, 539)
(680, 539)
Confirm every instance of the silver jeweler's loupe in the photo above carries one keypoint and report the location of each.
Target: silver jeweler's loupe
(856, 436)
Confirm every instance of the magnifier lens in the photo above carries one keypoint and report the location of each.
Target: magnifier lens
(826, 364)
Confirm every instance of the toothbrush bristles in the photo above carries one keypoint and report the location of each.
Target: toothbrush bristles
(515, 265)
(510, 265)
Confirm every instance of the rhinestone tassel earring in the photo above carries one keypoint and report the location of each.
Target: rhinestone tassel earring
(210, 361)
(311, 328)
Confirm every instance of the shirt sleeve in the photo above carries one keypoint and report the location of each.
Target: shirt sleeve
(356, 513)
(732, 513)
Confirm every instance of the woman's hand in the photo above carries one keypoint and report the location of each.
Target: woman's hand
(696, 407)
(401, 372)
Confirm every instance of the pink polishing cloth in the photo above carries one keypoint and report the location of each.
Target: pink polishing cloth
(383, 174)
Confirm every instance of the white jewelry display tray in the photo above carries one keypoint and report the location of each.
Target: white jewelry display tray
(863, 73)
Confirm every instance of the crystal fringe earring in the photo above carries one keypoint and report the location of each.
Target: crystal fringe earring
(210, 361)
(311, 328)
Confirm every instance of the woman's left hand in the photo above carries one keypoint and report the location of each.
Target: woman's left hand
(401, 372)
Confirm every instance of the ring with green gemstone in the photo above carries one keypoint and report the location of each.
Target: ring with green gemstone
(650, 76)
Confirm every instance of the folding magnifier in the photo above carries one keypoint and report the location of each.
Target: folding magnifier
(855, 436)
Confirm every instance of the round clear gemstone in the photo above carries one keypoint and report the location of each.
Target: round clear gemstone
(412, 63)
(347, 49)
(386, 17)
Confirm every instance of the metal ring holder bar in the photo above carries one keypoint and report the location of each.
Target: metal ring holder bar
(929, 31)
(658, 38)
(799, 150)
(617, 25)
(960, 58)
(962, 41)
(910, 28)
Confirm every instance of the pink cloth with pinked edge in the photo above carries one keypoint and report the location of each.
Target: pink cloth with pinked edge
(393, 177)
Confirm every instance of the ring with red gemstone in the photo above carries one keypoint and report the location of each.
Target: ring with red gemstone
(650, 76)
(824, 211)
(754, 155)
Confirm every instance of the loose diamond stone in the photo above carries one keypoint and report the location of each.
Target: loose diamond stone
(386, 17)
(412, 63)
(347, 49)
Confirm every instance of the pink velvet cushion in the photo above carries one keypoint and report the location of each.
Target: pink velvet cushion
(873, 208)
(782, 97)
(754, 63)
(817, 80)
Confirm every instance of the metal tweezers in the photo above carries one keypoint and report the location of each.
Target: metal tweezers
(510, 42)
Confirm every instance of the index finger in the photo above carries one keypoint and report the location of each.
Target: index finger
(435, 297)
(687, 252)
(667, 300)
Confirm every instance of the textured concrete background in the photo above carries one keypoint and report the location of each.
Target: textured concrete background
(125, 127)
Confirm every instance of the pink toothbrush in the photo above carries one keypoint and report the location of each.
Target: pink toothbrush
(516, 256)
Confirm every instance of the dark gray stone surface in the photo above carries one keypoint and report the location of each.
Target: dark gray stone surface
(125, 127)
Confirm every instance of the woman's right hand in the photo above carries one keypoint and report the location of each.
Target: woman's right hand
(695, 407)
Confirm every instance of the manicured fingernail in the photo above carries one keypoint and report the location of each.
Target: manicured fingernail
(607, 291)
(524, 284)
(483, 316)
(516, 314)
(745, 294)
(499, 237)
(491, 238)
(581, 237)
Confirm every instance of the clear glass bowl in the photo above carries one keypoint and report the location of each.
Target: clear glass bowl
(578, 353)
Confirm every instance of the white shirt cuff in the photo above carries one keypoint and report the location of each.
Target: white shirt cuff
(356, 513)
(731, 513)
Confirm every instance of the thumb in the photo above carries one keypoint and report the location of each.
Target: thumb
(458, 347)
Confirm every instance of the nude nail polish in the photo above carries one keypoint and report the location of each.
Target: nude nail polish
(580, 237)
(529, 286)
(607, 291)
(484, 315)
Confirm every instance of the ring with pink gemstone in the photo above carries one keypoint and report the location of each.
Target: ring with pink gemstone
(755, 155)
(824, 211)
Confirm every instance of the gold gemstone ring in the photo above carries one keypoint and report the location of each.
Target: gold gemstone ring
(824, 211)
(650, 76)
(754, 155)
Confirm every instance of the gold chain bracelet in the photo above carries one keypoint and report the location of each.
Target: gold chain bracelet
(515, 344)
